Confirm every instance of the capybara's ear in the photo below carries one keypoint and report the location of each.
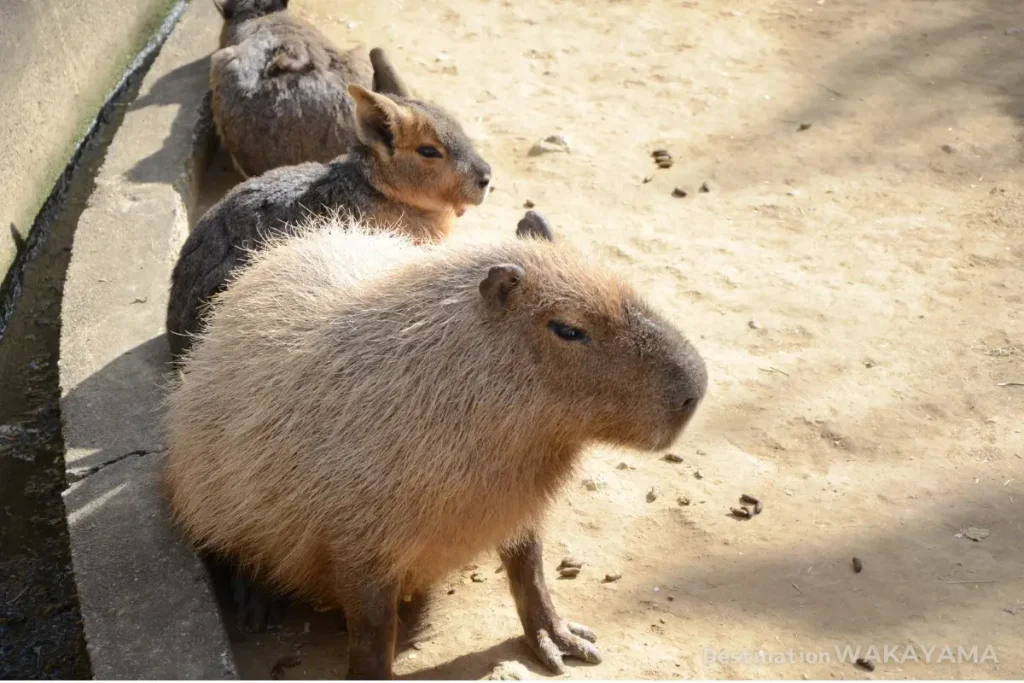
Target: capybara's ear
(378, 117)
(501, 283)
(536, 226)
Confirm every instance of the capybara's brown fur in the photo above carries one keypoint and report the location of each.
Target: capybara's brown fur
(362, 416)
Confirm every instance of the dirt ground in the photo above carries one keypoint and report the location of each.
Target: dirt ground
(854, 279)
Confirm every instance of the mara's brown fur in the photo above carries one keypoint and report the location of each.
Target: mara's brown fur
(362, 416)
(413, 168)
(280, 87)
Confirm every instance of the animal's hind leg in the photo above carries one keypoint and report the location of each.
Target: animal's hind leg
(257, 606)
(412, 610)
(371, 613)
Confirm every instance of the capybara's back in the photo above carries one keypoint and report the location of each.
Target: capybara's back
(360, 409)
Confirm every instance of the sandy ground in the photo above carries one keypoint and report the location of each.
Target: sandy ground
(856, 288)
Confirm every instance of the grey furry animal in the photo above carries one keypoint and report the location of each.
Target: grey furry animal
(412, 168)
(279, 87)
(363, 415)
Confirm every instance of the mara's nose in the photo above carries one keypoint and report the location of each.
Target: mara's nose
(483, 175)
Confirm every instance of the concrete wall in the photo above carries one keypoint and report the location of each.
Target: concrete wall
(60, 59)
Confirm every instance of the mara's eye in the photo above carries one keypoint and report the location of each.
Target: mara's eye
(568, 332)
(429, 152)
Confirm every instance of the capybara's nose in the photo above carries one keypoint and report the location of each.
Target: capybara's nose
(691, 383)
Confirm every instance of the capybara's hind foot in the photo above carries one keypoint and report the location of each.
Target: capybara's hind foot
(256, 607)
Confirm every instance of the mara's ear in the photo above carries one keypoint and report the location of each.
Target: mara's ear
(378, 117)
(385, 77)
(501, 283)
(536, 226)
(225, 7)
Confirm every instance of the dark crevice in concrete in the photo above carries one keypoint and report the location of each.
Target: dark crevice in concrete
(41, 633)
(77, 474)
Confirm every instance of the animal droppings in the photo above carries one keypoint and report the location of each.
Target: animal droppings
(683, 500)
(528, 204)
(865, 664)
(569, 562)
(652, 495)
(672, 457)
(612, 578)
(858, 566)
(751, 500)
(740, 513)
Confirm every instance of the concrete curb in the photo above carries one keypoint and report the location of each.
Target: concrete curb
(148, 609)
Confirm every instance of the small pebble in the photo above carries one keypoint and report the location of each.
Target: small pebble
(683, 500)
(477, 577)
(665, 163)
(948, 149)
(289, 662)
(753, 324)
(612, 578)
(624, 466)
(417, 645)
(858, 566)
(697, 474)
(679, 192)
(528, 204)
(672, 457)
(647, 179)
(451, 591)
(803, 126)
(569, 572)
(705, 187)
(652, 495)
(670, 598)
(865, 664)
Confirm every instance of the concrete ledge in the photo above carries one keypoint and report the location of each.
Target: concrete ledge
(147, 606)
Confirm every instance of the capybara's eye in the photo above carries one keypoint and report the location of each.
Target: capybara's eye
(429, 152)
(568, 332)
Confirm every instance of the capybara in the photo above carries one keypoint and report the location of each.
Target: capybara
(361, 416)
(413, 168)
(258, 606)
(280, 88)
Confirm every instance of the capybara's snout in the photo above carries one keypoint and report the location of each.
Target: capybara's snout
(688, 382)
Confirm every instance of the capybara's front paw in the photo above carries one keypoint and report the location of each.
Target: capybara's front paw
(564, 639)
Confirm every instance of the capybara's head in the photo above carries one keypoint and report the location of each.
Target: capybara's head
(422, 157)
(618, 371)
(242, 10)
